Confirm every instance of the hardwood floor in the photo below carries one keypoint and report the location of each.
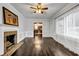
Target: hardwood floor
(42, 47)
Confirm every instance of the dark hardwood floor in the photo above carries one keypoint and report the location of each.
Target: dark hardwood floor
(42, 47)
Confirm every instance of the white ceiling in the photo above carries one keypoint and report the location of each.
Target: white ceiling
(25, 9)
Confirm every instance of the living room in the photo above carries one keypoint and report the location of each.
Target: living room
(59, 22)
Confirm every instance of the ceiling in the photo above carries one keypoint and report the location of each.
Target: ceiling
(25, 9)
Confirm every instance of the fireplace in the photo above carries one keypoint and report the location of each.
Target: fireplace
(10, 39)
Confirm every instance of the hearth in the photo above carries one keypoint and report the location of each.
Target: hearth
(10, 39)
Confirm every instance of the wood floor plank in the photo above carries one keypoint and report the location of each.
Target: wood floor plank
(42, 47)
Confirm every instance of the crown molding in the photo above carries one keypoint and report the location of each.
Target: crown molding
(66, 9)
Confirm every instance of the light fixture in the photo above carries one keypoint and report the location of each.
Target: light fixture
(39, 8)
(38, 11)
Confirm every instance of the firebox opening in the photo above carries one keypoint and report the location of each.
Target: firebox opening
(10, 40)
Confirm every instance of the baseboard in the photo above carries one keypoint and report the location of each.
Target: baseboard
(46, 37)
(33, 37)
(29, 37)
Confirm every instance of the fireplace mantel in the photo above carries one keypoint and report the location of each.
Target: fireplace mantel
(8, 44)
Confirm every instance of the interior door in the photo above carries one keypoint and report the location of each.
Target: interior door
(38, 29)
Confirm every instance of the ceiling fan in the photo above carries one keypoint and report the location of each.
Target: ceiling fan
(39, 8)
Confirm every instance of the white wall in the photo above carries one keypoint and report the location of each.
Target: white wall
(3, 28)
(52, 27)
(67, 30)
(29, 24)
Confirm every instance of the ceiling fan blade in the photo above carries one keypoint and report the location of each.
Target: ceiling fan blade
(33, 7)
(45, 8)
(39, 3)
(42, 12)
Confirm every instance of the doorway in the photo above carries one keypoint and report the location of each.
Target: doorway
(38, 29)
